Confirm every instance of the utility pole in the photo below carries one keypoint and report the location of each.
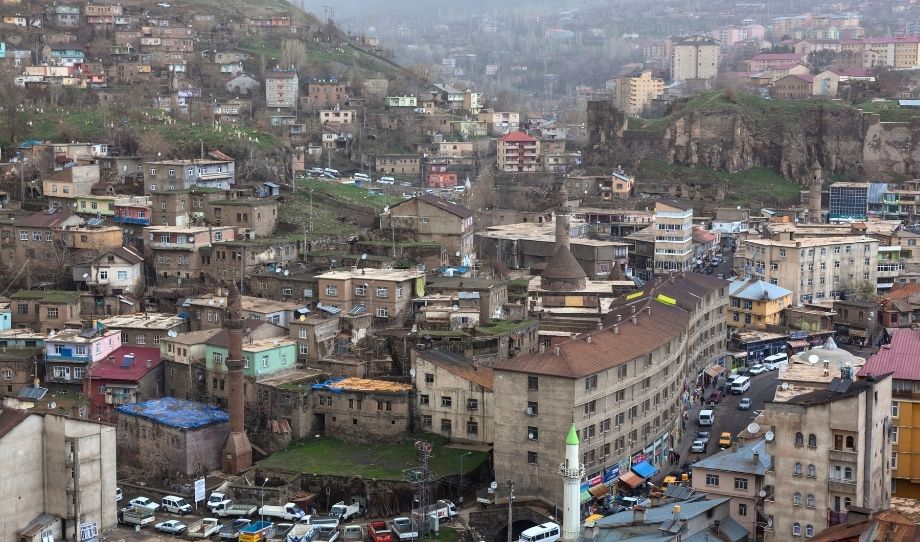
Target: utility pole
(510, 498)
(311, 210)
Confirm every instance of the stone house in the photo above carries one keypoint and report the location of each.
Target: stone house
(454, 397)
(44, 311)
(184, 360)
(362, 410)
(431, 218)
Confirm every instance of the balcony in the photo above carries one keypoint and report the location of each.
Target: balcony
(131, 220)
(841, 485)
(849, 456)
(159, 245)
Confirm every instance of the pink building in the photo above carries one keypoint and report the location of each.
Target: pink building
(69, 353)
(767, 61)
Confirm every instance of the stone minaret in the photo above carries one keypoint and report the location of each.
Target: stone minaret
(563, 221)
(572, 472)
(814, 194)
(238, 451)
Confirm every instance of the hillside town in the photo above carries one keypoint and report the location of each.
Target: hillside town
(267, 278)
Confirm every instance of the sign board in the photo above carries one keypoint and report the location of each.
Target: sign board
(199, 489)
(611, 473)
(89, 531)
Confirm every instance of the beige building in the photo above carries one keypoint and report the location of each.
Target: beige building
(144, 329)
(634, 93)
(736, 473)
(673, 236)
(501, 122)
(399, 164)
(454, 396)
(518, 152)
(621, 384)
(44, 456)
(281, 90)
(361, 409)
(384, 293)
(814, 268)
(696, 57)
(831, 450)
(431, 218)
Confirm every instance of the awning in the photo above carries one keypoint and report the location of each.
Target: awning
(714, 370)
(858, 333)
(631, 479)
(585, 496)
(599, 490)
(644, 469)
(797, 344)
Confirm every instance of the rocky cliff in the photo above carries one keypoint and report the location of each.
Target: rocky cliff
(740, 132)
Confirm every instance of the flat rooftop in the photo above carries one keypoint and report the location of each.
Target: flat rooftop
(398, 275)
(267, 344)
(150, 320)
(545, 232)
(805, 242)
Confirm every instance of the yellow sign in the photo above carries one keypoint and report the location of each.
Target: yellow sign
(666, 300)
(634, 295)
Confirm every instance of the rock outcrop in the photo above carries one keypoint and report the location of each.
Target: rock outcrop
(734, 136)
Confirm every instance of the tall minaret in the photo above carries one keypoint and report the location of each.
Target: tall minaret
(814, 193)
(572, 472)
(563, 220)
(238, 451)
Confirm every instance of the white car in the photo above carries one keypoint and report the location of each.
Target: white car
(118, 494)
(757, 369)
(170, 526)
(698, 447)
(144, 502)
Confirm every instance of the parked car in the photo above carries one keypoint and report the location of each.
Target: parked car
(145, 502)
(757, 369)
(703, 435)
(698, 447)
(171, 526)
(406, 183)
(725, 440)
(118, 494)
(744, 403)
(715, 397)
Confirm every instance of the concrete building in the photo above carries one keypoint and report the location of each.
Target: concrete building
(128, 375)
(755, 304)
(116, 272)
(899, 358)
(634, 93)
(168, 435)
(398, 164)
(673, 236)
(431, 218)
(181, 254)
(621, 384)
(173, 175)
(518, 152)
(736, 473)
(60, 474)
(695, 57)
(44, 311)
(689, 520)
(793, 87)
(831, 451)
(282, 90)
(70, 353)
(145, 329)
(454, 396)
(848, 202)
(184, 361)
(360, 409)
(814, 268)
(258, 216)
(501, 122)
(206, 311)
(326, 93)
(384, 293)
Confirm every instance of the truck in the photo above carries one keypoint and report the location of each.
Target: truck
(321, 519)
(302, 532)
(257, 531)
(288, 512)
(326, 533)
(352, 533)
(230, 509)
(404, 528)
(281, 532)
(203, 528)
(231, 531)
(137, 515)
(443, 510)
(379, 531)
(347, 511)
(217, 498)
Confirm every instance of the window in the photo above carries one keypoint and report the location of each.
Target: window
(712, 480)
(429, 378)
(446, 425)
(796, 529)
(847, 473)
(48, 236)
(533, 433)
(894, 434)
(590, 408)
(533, 408)
(812, 471)
(533, 383)
(622, 371)
(122, 275)
(360, 290)
(851, 442)
(812, 440)
(741, 483)
(895, 409)
(332, 291)
(426, 420)
(605, 425)
(799, 439)
(797, 498)
(264, 362)
(446, 401)
(23, 235)
(103, 275)
(591, 383)
(217, 358)
(742, 509)
(894, 459)
(809, 531)
(472, 428)
(531, 458)
(52, 312)
(810, 501)
(304, 349)
(382, 312)
(78, 373)
(36, 236)
(619, 395)
(22, 308)
(797, 469)
(140, 338)
(382, 291)
(472, 404)
(423, 400)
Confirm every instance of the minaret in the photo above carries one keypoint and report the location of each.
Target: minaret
(563, 221)
(572, 472)
(238, 451)
(814, 194)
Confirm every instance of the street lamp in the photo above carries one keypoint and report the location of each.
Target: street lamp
(262, 499)
(460, 498)
(510, 498)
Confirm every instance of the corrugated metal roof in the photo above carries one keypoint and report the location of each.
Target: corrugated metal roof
(898, 357)
(740, 460)
(756, 290)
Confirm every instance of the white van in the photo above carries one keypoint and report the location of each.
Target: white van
(547, 532)
(773, 362)
(707, 417)
(386, 180)
(741, 385)
(333, 172)
(361, 176)
(175, 505)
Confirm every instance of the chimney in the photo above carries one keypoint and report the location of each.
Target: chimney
(756, 456)
(616, 329)
(648, 310)
(639, 514)
(149, 364)
(600, 325)
(715, 525)
(633, 307)
(619, 318)
(676, 512)
(557, 351)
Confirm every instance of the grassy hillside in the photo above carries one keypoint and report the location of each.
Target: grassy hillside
(756, 184)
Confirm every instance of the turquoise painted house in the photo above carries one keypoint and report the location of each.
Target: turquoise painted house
(264, 356)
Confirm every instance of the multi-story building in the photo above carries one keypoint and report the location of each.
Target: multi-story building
(182, 208)
(695, 57)
(244, 257)
(341, 118)
(454, 396)
(673, 236)
(183, 254)
(755, 304)
(172, 175)
(128, 375)
(281, 90)
(634, 93)
(326, 93)
(892, 51)
(257, 215)
(848, 202)
(814, 268)
(184, 361)
(145, 329)
(621, 385)
(899, 358)
(69, 354)
(736, 473)
(401, 164)
(384, 293)
(113, 279)
(518, 152)
(44, 311)
(431, 218)
(831, 450)
(40, 239)
(769, 61)
(361, 409)
(501, 122)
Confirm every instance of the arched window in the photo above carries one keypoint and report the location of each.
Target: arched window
(797, 529)
(809, 531)
(851, 443)
(799, 439)
(812, 471)
(848, 473)
(797, 470)
(810, 501)
(812, 440)
(797, 498)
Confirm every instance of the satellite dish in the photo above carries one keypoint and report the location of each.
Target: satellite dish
(412, 373)
(791, 386)
(303, 318)
(210, 302)
(286, 272)
(769, 436)
(813, 359)
(172, 333)
(493, 486)
(530, 436)
(86, 275)
(753, 428)
(761, 493)
(848, 364)
(52, 404)
(364, 256)
(457, 254)
(455, 308)
(277, 270)
(769, 522)
(785, 386)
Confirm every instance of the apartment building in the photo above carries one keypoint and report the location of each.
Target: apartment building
(172, 175)
(518, 152)
(431, 218)
(899, 357)
(362, 409)
(695, 57)
(500, 122)
(755, 304)
(399, 164)
(384, 293)
(182, 254)
(621, 384)
(182, 208)
(634, 93)
(900, 52)
(326, 93)
(831, 450)
(145, 329)
(736, 473)
(814, 268)
(339, 117)
(257, 215)
(44, 311)
(454, 395)
(673, 236)
(37, 238)
(70, 353)
(281, 90)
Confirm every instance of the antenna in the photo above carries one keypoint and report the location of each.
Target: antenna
(769, 436)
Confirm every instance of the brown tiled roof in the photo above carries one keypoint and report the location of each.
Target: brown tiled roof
(461, 366)
(44, 220)
(883, 526)
(656, 324)
(10, 418)
(444, 205)
(900, 291)
(563, 266)
(126, 254)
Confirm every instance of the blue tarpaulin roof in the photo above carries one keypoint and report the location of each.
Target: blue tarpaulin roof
(644, 469)
(329, 385)
(176, 412)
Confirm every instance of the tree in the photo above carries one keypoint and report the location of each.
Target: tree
(293, 53)
(12, 100)
(821, 60)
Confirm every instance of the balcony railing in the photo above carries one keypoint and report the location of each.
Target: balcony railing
(841, 485)
(849, 456)
(131, 220)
